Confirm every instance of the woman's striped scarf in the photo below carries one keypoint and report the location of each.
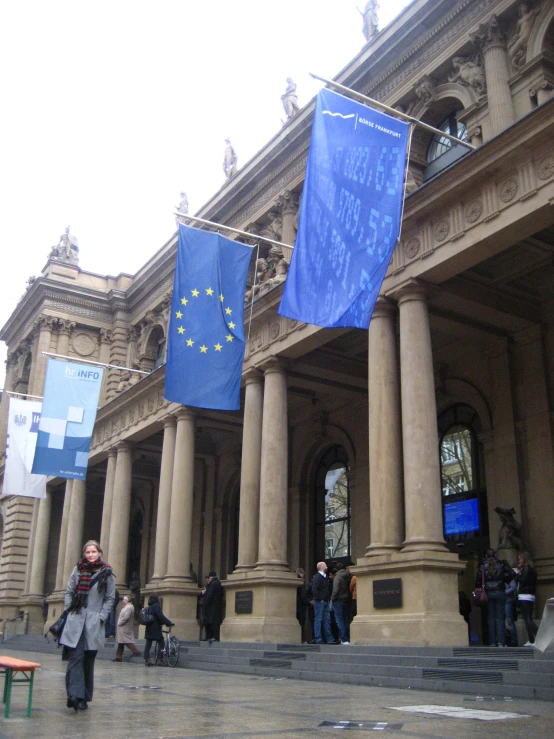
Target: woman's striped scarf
(86, 572)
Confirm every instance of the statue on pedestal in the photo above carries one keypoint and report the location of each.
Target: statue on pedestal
(67, 249)
(229, 160)
(510, 538)
(290, 99)
(182, 208)
(371, 19)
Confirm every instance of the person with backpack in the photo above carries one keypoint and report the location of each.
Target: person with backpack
(153, 618)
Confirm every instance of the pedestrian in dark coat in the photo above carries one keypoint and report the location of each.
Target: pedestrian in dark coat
(89, 598)
(213, 607)
(153, 631)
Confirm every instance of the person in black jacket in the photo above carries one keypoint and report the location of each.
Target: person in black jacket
(496, 577)
(321, 591)
(526, 577)
(153, 630)
(213, 607)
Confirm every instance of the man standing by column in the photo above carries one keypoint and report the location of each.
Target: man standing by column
(125, 630)
(321, 589)
(213, 607)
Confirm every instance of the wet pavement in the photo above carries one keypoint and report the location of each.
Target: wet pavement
(132, 701)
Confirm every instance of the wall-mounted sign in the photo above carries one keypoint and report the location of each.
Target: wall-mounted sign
(387, 593)
(244, 600)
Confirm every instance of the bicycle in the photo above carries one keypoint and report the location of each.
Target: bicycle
(170, 653)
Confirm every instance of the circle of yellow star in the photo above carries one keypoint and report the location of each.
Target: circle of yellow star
(231, 324)
(203, 349)
(229, 337)
(217, 347)
(209, 291)
(228, 311)
(184, 301)
(190, 342)
(195, 292)
(181, 330)
(178, 314)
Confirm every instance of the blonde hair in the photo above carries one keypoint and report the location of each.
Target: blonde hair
(93, 543)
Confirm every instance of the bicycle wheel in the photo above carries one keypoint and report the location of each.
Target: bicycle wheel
(173, 656)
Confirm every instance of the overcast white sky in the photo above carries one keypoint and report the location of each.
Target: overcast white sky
(112, 107)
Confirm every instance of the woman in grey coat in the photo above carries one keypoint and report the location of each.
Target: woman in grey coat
(89, 597)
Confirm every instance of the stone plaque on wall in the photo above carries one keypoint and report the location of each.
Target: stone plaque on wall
(387, 593)
(244, 600)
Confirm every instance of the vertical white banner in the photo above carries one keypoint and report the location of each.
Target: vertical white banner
(23, 421)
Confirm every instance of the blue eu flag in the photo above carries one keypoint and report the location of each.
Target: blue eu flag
(350, 214)
(205, 345)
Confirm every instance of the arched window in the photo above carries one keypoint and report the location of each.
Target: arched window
(464, 501)
(439, 145)
(332, 525)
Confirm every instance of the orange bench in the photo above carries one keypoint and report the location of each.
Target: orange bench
(10, 666)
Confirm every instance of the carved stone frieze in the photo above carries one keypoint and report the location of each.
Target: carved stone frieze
(441, 229)
(545, 168)
(473, 210)
(83, 344)
(412, 248)
(508, 190)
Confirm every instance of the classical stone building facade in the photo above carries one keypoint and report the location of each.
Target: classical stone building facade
(455, 376)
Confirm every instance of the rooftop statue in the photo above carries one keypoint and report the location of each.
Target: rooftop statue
(229, 160)
(67, 248)
(371, 19)
(182, 208)
(290, 99)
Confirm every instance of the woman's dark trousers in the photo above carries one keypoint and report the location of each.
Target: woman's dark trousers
(79, 678)
(496, 613)
(526, 608)
(161, 645)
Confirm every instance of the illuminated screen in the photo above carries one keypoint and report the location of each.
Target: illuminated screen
(461, 517)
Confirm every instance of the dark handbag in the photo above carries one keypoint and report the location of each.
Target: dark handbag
(58, 626)
(480, 597)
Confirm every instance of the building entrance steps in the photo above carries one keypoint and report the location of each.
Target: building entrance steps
(479, 671)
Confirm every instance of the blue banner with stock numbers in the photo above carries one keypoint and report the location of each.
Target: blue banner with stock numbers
(350, 214)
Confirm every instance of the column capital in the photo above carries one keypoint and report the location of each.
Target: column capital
(489, 35)
(169, 421)
(123, 447)
(185, 414)
(65, 326)
(112, 452)
(252, 376)
(412, 290)
(105, 336)
(384, 307)
(274, 364)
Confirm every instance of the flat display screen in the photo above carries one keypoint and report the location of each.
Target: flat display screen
(461, 517)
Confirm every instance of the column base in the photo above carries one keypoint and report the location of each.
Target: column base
(179, 603)
(32, 604)
(429, 614)
(273, 618)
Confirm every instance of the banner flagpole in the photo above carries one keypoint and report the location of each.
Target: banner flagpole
(235, 231)
(25, 395)
(392, 111)
(98, 364)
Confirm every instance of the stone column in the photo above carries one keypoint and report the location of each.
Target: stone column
(64, 332)
(60, 569)
(108, 504)
(179, 592)
(104, 356)
(75, 541)
(40, 551)
(491, 39)
(180, 525)
(250, 471)
(422, 487)
(273, 586)
(164, 499)
(121, 512)
(8, 385)
(274, 470)
(288, 205)
(385, 434)
(36, 385)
